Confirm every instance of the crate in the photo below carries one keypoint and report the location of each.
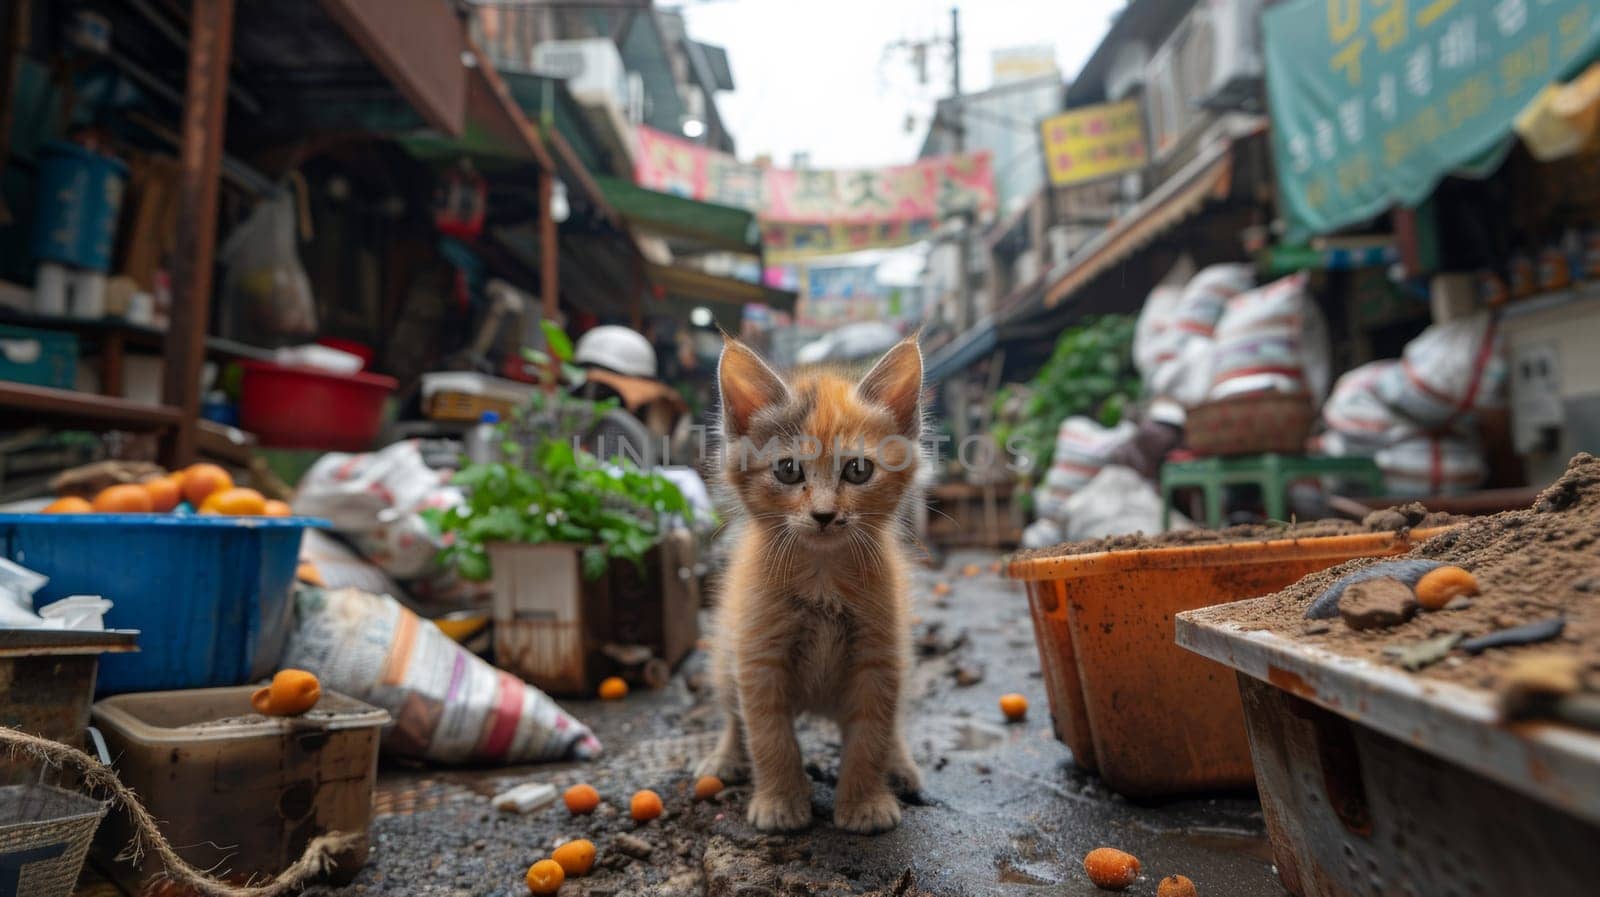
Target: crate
(564, 633)
(209, 593)
(1104, 627)
(44, 835)
(1254, 424)
(1377, 781)
(47, 681)
(465, 395)
(38, 357)
(235, 790)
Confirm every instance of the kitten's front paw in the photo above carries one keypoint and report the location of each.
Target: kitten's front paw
(731, 771)
(877, 812)
(780, 812)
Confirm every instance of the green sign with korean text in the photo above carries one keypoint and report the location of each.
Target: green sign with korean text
(1374, 101)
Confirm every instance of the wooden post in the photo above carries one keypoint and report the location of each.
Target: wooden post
(205, 112)
(549, 272)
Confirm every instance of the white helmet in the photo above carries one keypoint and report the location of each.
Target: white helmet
(619, 349)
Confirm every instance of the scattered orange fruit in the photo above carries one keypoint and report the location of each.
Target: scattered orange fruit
(275, 508)
(707, 787)
(1014, 706)
(1176, 886)
(123, 499)
(581, 799)
(236, 501)
(1442, 585)
(645, 806)
(545, 877)
(68, 504)
(941, 589)
(613, 689)
(200, 480)
(164, 494)
(576, 857)
(994, 567)
(291, 693)
(971, 570)
(1111, 869)
(306, 571)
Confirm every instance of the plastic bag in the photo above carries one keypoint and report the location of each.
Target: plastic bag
(448, 705)
(1118, 501)
(266, 296)
(1185, 378)
(1358, 416)
(1432, 464)
(1449, 371)
(1207, 294)
(1272, 339)
(1156, 335)
(1083, 447)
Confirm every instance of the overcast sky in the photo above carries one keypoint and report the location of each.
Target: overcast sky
(819, 76)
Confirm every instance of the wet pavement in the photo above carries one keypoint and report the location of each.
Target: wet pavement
(1003, 810)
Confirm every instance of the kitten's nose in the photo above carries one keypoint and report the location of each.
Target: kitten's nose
(823, 518)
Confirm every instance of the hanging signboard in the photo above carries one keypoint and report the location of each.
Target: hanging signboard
(807, 212)
(1374, 101)
(1093, 142)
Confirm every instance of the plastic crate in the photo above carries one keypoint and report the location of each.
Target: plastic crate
(38, 357)
(209, 594)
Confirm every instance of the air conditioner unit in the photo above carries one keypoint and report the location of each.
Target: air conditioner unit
(605, 89)
(1166, 108)
(1233, 79)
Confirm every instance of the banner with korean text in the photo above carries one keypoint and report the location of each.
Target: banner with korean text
(811, 212)
(1374, 101)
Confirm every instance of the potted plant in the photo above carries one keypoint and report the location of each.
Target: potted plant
(565, 538)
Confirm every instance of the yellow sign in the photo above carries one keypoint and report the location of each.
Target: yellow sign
(1093, 142)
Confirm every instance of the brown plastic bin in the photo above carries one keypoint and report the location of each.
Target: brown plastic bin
(237, 792)
(1151, 718)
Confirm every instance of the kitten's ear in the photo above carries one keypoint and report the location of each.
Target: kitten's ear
(896, 383)
(747, 386)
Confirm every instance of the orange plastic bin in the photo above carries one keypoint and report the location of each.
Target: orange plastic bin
(1151, 718)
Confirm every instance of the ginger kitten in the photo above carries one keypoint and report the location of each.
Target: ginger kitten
(813, 615)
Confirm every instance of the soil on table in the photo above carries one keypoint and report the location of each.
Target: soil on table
(1531, 565)
(1401, 518)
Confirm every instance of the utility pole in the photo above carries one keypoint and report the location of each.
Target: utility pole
(965, 317)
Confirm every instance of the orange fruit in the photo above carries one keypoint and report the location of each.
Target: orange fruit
(971, 570)
(581, 799)
(68, 504)
(164, 494)
(1442, 585)
(200, 480)
(234, 501)
(123, 499)
(291, 693)
(941, 589)
(1014, 706)
(575, 857)
(1111, 869)
(707, 787)
(612, 689)
(645, 806)
(545, 877)
(275, 508)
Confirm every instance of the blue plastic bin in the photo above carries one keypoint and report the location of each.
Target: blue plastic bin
(80, 196)
(209, 594)
(39, 357)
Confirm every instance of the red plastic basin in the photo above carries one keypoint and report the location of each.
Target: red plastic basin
(296, 407)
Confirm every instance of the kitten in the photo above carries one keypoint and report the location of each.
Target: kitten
(813, 615)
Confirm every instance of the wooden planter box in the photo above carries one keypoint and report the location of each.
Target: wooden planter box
(564, 633)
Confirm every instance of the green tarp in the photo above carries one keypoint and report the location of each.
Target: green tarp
(714, 226)
(1374, 101)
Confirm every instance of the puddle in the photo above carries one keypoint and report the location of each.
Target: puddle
(1255, 847)
(1011, 875)
(970, 736)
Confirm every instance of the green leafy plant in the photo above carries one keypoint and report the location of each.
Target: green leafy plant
(555, 491)
(1090, 372)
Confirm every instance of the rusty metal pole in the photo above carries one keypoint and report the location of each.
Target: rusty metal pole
(549, 273)
(205, 110)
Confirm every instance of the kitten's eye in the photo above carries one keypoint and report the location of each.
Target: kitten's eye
(788, 471)
(856, 470)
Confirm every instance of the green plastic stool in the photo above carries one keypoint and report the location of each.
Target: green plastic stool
(1272, 473)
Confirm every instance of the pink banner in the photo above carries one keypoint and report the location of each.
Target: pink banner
(924, 191)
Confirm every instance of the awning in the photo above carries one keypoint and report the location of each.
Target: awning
(1209, 176)
(709, 225)
(701, 288)
(417, 44)
(962, 352)
(1372, 107)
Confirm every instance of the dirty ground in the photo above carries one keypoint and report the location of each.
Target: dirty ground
(1003, 811)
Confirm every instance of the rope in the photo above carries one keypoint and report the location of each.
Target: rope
(319, 857)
